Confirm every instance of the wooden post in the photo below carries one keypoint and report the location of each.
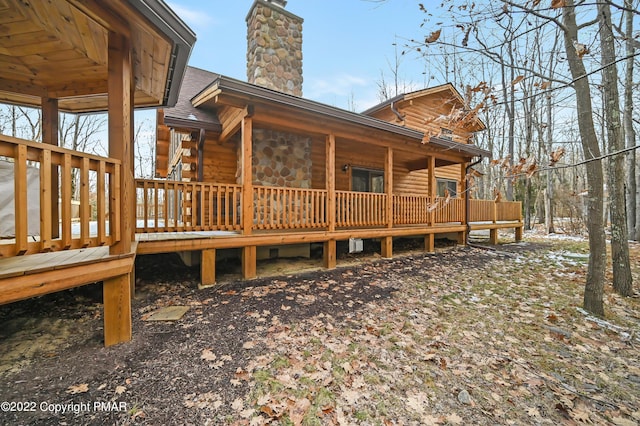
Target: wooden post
(121, 134)
(20, 200)
(50, 124)
(519, 233)
(430, 243)
(249, 262)
(117, 309)
(387, 247)
(462, 236)
(493, 236)
(388, 184)
(117, 291)
(208, 267)
(329, 254)
(247, 175)
(432, 186)
(330, 184)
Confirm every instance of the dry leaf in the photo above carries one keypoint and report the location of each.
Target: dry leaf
(78, 389)
(249, 345)
(557, 4)
(517, 80)
(237, 404)
(299, 410)
(433, 37)
(120, 390)
(207, 355)
(454, 419)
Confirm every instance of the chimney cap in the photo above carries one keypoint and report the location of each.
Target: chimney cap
(281, 3)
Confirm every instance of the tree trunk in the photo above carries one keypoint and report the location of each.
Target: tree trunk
(622, 280)
(633, 203)
(594, 287)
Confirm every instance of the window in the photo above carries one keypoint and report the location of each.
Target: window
(363, 180)
(446, 133)
(448, 185)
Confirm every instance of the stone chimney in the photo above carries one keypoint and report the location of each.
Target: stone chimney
(274, 47)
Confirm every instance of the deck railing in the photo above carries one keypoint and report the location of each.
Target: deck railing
(491, 211)
(360, 209)
(171, 206)
(412, 209)
(447, 211)
(508, 211)
(289, 208)
(44, 178)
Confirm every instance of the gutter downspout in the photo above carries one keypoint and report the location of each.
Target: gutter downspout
(467, 199)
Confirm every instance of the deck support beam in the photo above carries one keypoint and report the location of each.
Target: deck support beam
(208, 267)
(329, 254)
(249, 262)
(117, 309)
(386, 244)
(430, 243)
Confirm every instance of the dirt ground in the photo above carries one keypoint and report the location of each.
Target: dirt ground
(462, 336)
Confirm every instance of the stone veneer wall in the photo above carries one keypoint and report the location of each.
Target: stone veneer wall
(274, 48)
(281, 159)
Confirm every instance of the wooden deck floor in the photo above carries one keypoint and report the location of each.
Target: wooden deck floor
(22, 277)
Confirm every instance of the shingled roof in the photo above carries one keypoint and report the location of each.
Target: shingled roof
(195, 80)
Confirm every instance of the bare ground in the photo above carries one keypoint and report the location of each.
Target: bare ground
(463, 336)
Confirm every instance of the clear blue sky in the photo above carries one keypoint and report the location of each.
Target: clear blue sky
(346, 43)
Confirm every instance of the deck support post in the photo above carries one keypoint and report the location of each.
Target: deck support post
(518, 233)
(493, 236)
(387, 247)
(208, 267)
(462, 237)
(430, 243)
(249, 262)
(329, 254)
(118, 291)
(117, 309)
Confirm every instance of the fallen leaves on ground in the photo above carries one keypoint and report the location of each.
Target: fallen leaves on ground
(463, 336)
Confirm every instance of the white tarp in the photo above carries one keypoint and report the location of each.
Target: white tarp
(7, 205)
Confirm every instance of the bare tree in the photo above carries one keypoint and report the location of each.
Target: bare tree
(622, 281)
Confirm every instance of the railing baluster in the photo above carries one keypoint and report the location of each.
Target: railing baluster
(20, 185)
(85, 205)
(101, 214)
(45, 201)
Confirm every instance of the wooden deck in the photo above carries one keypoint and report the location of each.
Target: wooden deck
(22, 277)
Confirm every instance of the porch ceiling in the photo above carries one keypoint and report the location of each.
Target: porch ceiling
(59, 48)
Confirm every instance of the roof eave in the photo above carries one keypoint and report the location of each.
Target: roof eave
(183, 38)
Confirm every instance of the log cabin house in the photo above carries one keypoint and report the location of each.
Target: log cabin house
(240, 165)
(257, 167)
